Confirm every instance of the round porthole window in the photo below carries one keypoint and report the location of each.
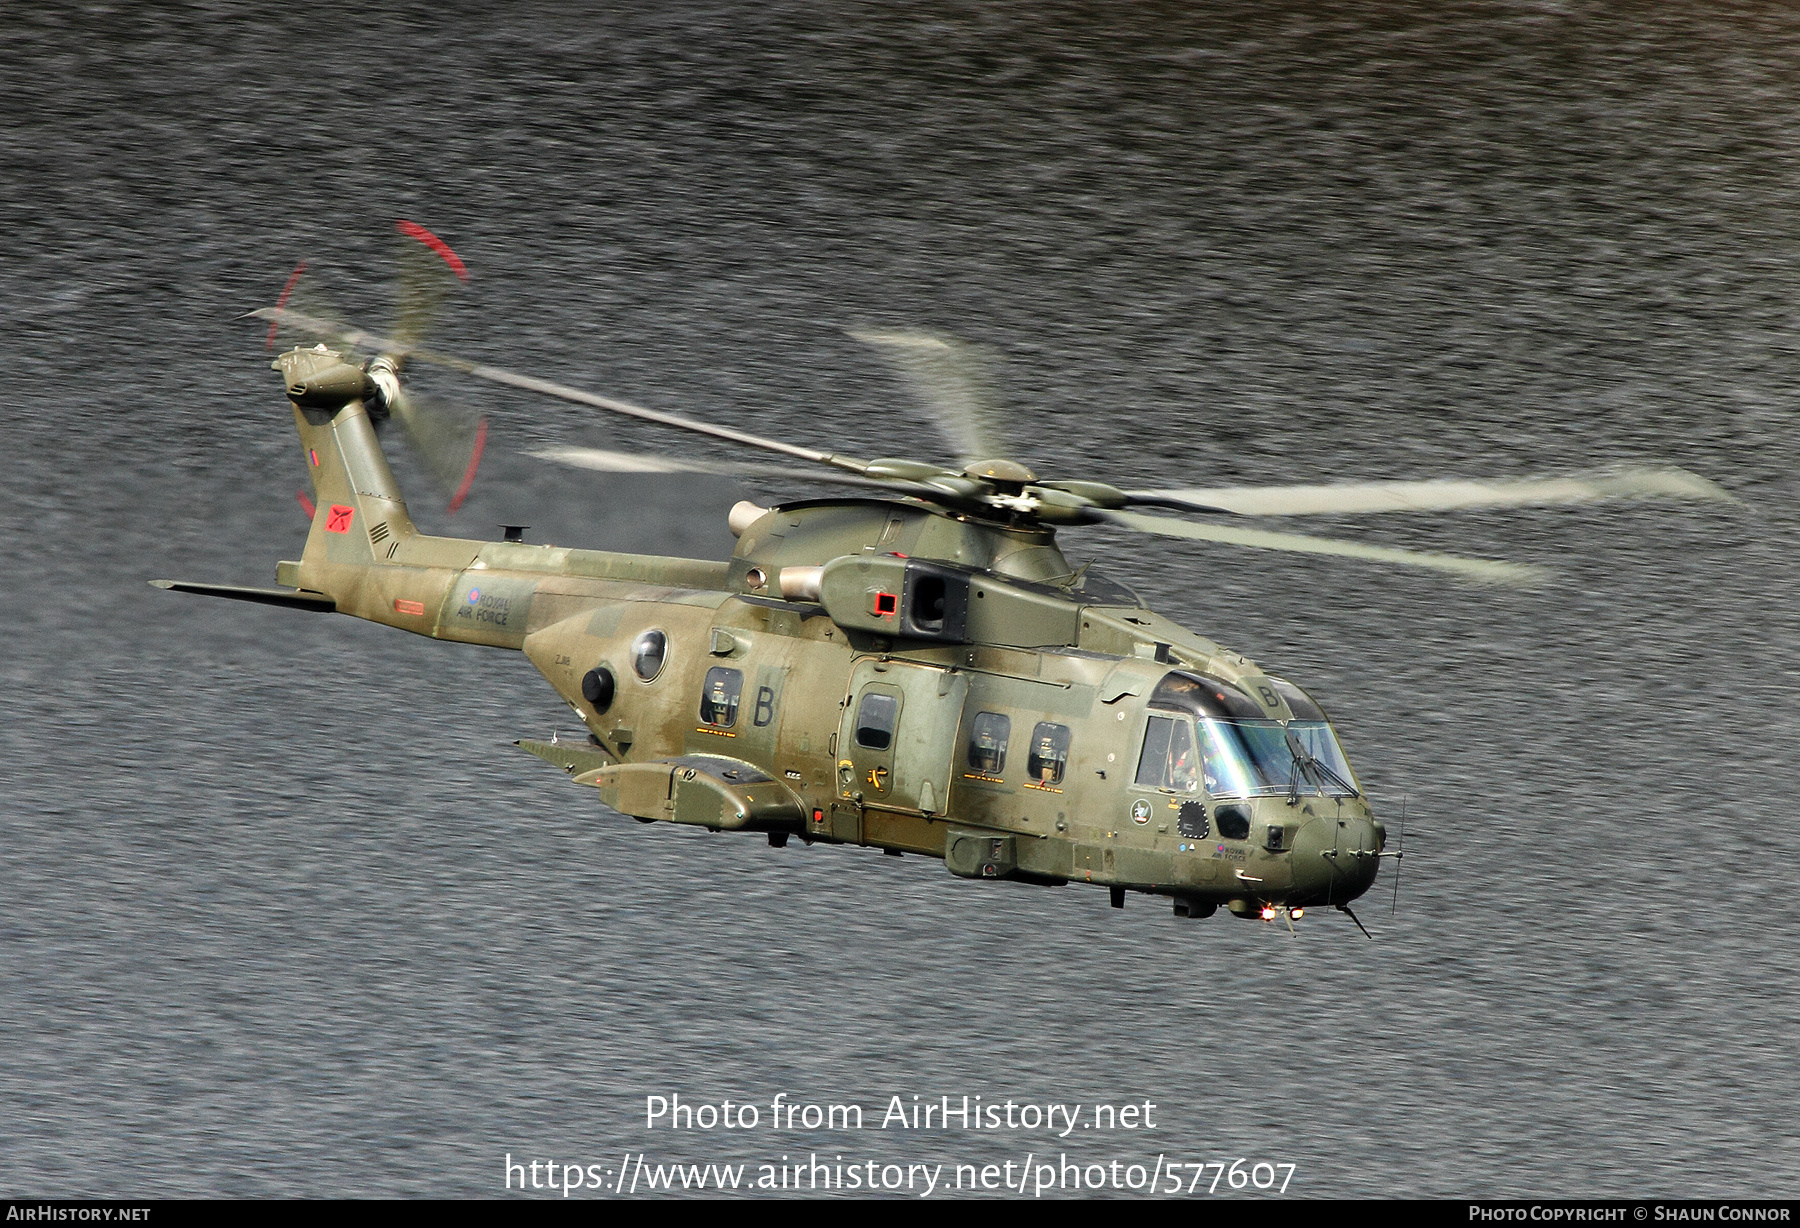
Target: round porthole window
(647, 654)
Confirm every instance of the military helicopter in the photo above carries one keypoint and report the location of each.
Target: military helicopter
(914, 666)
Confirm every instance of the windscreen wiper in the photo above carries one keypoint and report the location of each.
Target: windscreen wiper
(1316, 772)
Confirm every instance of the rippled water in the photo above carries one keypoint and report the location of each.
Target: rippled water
(281, 914)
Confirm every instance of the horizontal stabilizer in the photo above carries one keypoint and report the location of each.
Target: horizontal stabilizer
(293, 599)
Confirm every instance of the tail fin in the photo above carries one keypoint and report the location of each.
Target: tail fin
(360, 518)
(364, 556)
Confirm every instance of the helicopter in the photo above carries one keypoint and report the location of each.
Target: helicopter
(913, 666)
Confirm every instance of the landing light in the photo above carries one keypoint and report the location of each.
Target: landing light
(1268, 912)
(1296, 913)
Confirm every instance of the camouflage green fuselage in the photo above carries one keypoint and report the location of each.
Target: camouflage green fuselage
(782, 752)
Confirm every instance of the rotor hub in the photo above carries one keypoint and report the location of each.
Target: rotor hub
(1001, 470)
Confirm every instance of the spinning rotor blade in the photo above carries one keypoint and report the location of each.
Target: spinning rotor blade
(1446, 494)
(356, 337)
(950, 378)
(449, 442)
(1484, 570)
(429, 273)
(603, 460)
(301, 294)
(1003, 490)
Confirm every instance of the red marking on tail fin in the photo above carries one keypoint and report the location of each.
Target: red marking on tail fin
(340, 518)
(292, 281)
(462, 492)
(413, 230)
(306, 505)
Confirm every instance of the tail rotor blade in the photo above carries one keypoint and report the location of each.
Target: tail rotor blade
(429, 273)
(301, 295)
(448, 441)
(468, 478)
(287, 292)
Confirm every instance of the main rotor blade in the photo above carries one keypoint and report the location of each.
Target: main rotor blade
(1486, 570)
(1449, 494)
(950, 378)
(352, 336)
(603, 460)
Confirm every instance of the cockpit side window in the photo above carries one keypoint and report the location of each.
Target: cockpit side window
(1156, 752)
(1168, 760)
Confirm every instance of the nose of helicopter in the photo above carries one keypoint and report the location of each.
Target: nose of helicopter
(1336, 858)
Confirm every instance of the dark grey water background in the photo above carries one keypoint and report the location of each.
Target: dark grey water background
(279, 914)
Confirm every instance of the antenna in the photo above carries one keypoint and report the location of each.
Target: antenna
(1399, 858)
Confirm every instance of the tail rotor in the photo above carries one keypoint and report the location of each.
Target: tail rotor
(447, 441)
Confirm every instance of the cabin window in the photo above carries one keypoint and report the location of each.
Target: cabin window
(875, 720)
(1168, 760)
(1049, 753)
(719, 700)
(987, 742)
(648, 652)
